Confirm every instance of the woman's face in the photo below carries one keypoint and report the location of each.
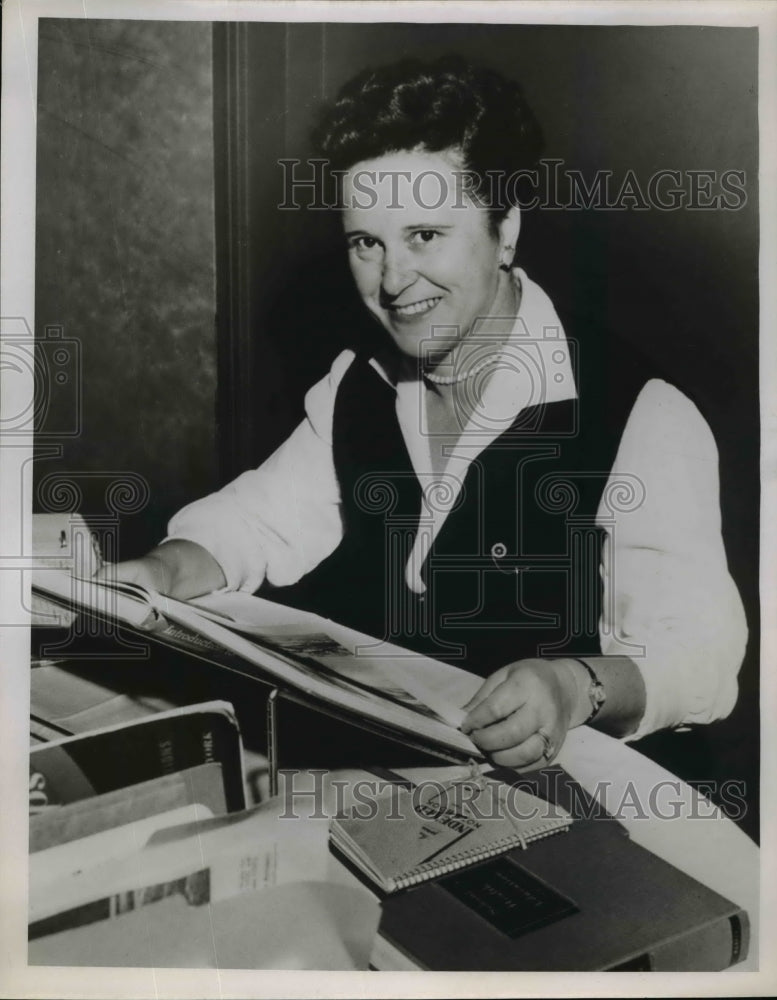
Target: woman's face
(423, 256)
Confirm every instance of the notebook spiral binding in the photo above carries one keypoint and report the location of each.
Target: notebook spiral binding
(431, 870)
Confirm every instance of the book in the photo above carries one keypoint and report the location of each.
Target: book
(204, 861)
(99, 798)
(73, 768)
(111, 845)
(592, 900)
(202, 786)
(309, 656)
(408, 836)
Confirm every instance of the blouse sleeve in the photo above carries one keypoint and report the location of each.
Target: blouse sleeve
(281, 520)
(669, 601)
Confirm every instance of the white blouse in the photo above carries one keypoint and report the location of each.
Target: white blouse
(669, 602)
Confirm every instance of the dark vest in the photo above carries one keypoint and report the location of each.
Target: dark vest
(515, 569)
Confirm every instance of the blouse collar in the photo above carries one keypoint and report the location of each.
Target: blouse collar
(534, 365)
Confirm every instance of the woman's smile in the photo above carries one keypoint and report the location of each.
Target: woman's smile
(410, 311)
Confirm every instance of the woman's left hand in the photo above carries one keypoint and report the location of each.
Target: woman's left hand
(516, 706)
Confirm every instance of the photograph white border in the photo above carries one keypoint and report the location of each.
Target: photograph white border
(17, 222)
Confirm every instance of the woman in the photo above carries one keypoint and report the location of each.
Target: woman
(486, 487)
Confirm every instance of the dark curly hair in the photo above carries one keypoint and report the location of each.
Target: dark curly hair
(444, 104)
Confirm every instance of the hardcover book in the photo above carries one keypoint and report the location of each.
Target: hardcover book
(78, 767)
(592, 900)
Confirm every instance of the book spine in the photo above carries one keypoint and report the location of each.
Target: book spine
(710, 948)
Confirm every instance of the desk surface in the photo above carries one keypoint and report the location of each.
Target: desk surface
(330, 925)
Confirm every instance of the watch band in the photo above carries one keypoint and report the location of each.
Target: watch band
(596, 691)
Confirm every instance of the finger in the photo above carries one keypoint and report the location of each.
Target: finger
(486, 688)
(507, 697)
(111, 572)
(130, 571)
(510, 732)
(527, 755)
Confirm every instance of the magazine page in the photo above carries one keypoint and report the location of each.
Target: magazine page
(384, 699)
(397, 673)
(308, 653)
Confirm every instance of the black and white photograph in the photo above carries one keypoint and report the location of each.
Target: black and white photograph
(387, 444)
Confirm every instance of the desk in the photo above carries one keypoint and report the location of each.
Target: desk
(330, 925)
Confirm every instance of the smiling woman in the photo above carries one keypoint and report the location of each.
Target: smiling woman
(486, 486)
(426, 264)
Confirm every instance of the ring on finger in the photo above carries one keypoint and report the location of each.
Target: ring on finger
(548, 749)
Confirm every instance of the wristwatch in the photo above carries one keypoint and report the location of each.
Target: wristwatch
(596, 692)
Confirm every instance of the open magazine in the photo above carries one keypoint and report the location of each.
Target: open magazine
(299, 651)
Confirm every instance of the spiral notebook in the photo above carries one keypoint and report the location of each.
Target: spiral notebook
(409, 835)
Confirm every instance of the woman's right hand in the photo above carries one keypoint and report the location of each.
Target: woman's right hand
(178, 568)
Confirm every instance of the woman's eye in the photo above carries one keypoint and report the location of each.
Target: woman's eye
(423, 236)
(364, 244)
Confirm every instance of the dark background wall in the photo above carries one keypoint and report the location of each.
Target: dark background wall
(125, 260)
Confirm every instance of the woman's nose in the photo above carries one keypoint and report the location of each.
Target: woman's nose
(396, 274)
